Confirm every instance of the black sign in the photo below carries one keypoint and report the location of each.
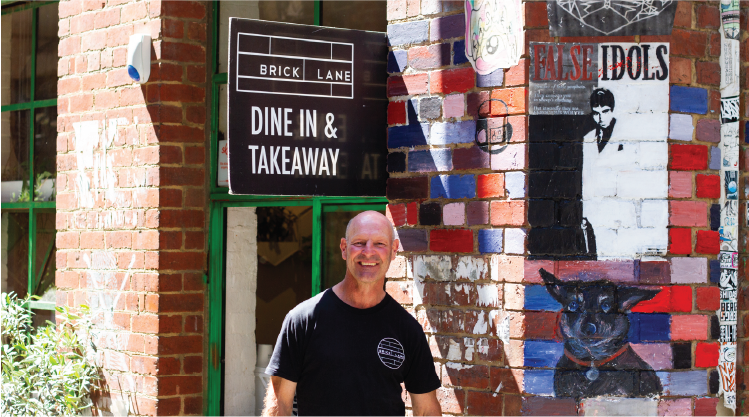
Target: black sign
(307, 110)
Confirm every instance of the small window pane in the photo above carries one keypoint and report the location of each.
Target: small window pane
(44, 267)
(223, 161)
(45, 153)
(279, 11)
(16, 53)
(40, 317)
(15, 253)
(14, 153)
(334, 226)
(363, 15)
(46, 53)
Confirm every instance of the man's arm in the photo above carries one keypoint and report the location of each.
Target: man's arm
(426, 404)
(279, 397)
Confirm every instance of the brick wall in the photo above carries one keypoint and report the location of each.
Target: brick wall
(461, 217)
(131, 193)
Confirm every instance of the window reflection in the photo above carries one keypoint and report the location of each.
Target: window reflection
(16, 53)
(45, 153)
(44, 267)
(15, 253)
(46, 53)
(14, 153)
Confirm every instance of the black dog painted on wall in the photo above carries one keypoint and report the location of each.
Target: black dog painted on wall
(598, 359)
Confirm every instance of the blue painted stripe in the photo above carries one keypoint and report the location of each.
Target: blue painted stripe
(543, 353)
(538, 298)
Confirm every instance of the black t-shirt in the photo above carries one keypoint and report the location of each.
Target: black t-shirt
(350, 361)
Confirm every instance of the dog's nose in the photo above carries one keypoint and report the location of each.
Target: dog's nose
(590, 329)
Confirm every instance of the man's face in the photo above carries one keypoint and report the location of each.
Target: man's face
(368, 250)
(603, 116)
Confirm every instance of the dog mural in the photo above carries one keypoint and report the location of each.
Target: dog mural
(598, 359)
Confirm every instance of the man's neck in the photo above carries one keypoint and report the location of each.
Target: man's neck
(359, 295)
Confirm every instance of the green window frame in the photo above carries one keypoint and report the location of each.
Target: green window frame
(220, 200)
(32, 207)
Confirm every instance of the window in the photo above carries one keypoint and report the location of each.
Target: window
(290, 267)
(29, 150)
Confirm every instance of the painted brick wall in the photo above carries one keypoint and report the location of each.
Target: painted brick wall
(461, 216)
(131, 198)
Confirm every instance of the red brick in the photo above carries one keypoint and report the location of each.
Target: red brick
(540, 325)
(714, 45)
(396, 112)
(670, 299)
(706, 355)
(708, 242)
(183, 9)
(451, 400)
(181, 176)
(451, 240)
(688, 213)
(518, 74)
(683, 16)
(473, 376)
(714, 102)
(182, 52)
(66, 240)
(490, 185)
(708, 73)
(483, 403)
(193, 364)
(688, 42)
(81, 103)
(688, 157)
(705, 406)
(196, 73)
(681, 69)
(515, 98)
(536, 15)
(397, 214)
(180, 93)
(708, 186)
(708, 17)
(679, 184)
(412, 210)
(680, 241)
(508, 213)
(69, 46)
(452, 81)
(689, 327)
(408, 85)
(708, 298)
(133, 11)
(175, 345)
(184, 261)
(68, 85)
(119, 35)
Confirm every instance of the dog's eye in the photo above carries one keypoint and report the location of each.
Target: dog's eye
(606, 306)
(573, 306)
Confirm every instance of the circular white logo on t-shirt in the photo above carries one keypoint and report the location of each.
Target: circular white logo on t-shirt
(391, 353)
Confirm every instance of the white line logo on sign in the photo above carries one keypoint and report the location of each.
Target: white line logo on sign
(391, 353)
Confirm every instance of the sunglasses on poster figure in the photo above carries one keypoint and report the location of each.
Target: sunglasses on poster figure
(490, 132)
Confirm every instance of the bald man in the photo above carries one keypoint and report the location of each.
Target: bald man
(347, 350)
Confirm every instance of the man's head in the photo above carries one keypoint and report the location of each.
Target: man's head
(368, 247)
(602, 107)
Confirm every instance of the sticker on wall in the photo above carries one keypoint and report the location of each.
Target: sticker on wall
(610, 17)
(727, 371)
(728, 260)
(494, 34)
(729, 15)
(731, 184)
(598, 154)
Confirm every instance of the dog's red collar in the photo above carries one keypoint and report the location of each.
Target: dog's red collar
(596, 364)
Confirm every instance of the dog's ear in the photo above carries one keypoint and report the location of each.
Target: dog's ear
(553, 285)
(628, 297)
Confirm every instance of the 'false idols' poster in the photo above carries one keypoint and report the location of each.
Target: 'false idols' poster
(598, 151)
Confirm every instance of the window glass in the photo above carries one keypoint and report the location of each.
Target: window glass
(46, 53)
(40, 317)
(44, 266)
(284, 273)
(15, 253)
(19, 72)
(223, 160)
(334, 228)
(363, 15)
(15, 153)
(45, 153)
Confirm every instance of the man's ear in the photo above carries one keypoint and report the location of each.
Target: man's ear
(553, 285)
(628, 297)
(343, 248)
(396, 245)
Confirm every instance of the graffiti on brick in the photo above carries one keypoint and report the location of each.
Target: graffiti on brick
(494, 34)
(598, 155)
(730, 18)
(610, 17)
(594, 327)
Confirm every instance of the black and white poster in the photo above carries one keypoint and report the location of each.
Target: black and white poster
(598, 153)
(610, 17)
(307, 110)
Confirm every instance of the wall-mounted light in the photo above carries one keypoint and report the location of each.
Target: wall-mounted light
(139, 58)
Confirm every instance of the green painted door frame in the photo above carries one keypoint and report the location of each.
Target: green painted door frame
(217, 268)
